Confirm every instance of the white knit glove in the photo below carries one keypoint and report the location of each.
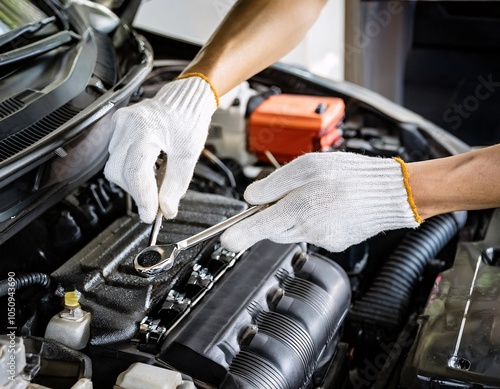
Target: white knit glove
(331, 200)
(175, 121)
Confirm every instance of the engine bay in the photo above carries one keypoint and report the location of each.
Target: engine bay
(405, 309)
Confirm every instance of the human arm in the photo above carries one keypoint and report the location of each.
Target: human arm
(255, 34)
(335, 200)
(466, 181)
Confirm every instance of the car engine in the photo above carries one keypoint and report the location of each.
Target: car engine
(405, 309)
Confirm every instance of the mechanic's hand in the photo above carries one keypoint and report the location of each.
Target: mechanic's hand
(332, 200)
(176, 121)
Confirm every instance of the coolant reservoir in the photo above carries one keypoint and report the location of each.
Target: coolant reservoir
(142, 376)
(228, 126)
(70, 327)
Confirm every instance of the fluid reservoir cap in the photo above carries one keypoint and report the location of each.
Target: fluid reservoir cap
(71, 300)
(321, 108)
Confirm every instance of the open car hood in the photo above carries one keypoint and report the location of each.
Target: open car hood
(62, 71)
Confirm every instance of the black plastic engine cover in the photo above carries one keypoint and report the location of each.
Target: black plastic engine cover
(265, 323)
(458, 341)
(103, 271)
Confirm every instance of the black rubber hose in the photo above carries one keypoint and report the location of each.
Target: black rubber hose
(24, 280)
(387, 299)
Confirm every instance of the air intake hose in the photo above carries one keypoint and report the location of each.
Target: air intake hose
(388, 297)
(24, 280)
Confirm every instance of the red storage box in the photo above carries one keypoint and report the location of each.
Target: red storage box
(291, 125)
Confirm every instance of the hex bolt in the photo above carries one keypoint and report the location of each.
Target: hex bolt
(299, 260)
(275, 296)
(248, 333)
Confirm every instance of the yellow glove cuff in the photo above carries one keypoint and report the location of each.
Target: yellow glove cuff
(406, 180)
(187, 75)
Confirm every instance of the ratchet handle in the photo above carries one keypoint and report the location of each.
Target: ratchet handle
(218, 228)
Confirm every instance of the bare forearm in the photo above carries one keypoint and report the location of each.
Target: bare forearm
(463, 182)
(255, 34)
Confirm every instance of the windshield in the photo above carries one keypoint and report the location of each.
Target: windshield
(17, 13)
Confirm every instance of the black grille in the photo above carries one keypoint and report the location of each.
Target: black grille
(10, 106)
(25, 138)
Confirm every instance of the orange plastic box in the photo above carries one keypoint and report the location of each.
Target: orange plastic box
(291, 125)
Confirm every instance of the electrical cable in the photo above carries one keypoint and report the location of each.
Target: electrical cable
(215, 160)
(25, 280)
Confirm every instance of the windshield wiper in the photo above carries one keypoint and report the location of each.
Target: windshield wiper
(37, 48)
(31, 28)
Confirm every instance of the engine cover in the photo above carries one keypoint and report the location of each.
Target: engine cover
(458, 340)
(261, 319)
(265, 324)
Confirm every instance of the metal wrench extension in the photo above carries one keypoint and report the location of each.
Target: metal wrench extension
(157, 258)
(160, 174)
